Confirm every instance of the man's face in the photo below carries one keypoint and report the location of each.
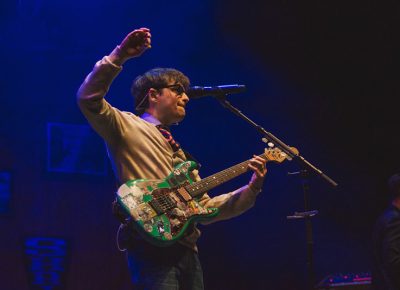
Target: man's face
(171, 104)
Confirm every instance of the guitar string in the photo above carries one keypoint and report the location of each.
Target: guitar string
(208, 183)
(220, 177)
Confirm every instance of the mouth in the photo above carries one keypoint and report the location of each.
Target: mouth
(181, 110)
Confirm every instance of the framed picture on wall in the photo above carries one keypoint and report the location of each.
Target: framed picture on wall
(5, 193)
(75, 149)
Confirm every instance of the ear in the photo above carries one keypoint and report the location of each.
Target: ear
(153, 95)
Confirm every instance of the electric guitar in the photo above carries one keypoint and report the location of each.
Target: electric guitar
(162, 210)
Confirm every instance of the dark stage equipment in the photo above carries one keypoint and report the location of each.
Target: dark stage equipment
(346, 282)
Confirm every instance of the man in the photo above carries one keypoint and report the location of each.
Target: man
(140, 147)
(386, 242)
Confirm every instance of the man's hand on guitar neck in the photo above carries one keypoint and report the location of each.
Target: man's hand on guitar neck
(257, 164)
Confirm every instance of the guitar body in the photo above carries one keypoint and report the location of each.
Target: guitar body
(161, 210)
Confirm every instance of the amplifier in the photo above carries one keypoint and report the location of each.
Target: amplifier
(360, 281)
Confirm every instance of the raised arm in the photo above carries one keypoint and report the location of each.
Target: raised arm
(103, 118)
(94, 88)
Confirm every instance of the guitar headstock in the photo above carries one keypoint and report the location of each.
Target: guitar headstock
(277, 155)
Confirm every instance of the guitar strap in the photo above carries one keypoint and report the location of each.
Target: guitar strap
(166, 132)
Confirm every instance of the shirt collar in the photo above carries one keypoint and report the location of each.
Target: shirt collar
(150, 118)
(153, 120)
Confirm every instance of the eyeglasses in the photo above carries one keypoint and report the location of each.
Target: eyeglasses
(176, 88)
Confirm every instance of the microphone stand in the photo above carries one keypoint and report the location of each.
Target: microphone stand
(307, 169)
(307, 214)
(277, 142)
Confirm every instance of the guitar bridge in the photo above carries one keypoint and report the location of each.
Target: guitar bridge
(157, 207)
(161, 201)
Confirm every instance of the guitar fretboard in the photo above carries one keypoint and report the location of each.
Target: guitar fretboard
(219, 178)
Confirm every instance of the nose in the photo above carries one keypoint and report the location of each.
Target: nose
(185, 98)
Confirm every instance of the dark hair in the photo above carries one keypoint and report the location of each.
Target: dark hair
(394, 186)
(155, 78)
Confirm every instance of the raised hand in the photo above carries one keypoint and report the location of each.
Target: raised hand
(133, 45)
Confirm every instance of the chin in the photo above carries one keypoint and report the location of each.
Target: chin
(180, 117)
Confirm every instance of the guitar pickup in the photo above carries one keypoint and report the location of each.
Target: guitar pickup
(184, 194)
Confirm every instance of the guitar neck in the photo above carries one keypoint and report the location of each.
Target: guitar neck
(219, 178)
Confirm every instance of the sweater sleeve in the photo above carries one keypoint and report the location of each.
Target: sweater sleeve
(103, 118)
(230, 204)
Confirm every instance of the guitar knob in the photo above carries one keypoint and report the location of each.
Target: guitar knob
(148, 228)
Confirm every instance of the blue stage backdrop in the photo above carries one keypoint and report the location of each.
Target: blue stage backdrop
(322, 76)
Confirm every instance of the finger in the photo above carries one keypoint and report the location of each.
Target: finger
(261, 162)
(145, 39)
(257, 163)
(260, 159)
(257, 171)
(139, 33)
(144, 34)
(140, 39)
(148, 40)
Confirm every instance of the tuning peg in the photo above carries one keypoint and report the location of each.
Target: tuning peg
(270, 144)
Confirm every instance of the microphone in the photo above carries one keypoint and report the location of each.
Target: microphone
(198, 92)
